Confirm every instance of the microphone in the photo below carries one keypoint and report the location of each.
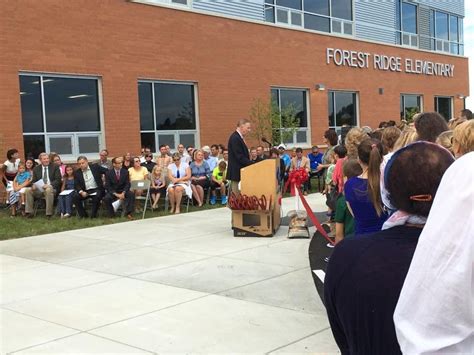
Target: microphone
(264, 140)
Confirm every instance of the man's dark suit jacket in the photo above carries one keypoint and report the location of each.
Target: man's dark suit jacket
(112, 185)
(97, 172)
(54, 175)
(238, 156)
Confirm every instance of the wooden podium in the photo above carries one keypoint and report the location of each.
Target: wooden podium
(256, 180)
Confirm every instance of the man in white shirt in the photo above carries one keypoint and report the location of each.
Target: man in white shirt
(211, 160)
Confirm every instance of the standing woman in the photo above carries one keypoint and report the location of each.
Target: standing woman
(200, 173)
(179, 174)
(363, 192)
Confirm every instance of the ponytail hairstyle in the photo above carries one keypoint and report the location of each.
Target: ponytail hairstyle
(371, 154)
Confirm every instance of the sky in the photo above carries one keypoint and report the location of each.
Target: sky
(469, 48)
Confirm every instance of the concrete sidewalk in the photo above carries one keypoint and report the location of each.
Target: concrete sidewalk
(174, 284)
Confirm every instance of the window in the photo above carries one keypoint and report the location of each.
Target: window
(443, 105)
(167, 113)
(319, 15)
(291, 103)
(409, 105)
(60, 114)
(342, 109)
(408, 25)
(341, 9)
(172, 2)
(446, 33)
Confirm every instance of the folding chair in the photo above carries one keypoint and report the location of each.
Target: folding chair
(143, 185)
(183, 199)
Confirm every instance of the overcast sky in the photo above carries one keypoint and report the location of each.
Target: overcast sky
(469, 47)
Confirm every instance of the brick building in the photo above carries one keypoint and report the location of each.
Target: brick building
(78, 76)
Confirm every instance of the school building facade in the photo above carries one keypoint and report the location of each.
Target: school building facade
(79, 76)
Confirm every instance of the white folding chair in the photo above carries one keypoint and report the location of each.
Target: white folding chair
(143, 185)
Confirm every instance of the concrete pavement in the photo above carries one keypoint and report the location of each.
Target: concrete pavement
(174, 284)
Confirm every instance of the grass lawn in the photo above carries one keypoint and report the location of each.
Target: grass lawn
(18, 227)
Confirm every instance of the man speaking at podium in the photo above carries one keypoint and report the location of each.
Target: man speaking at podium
(238, 154)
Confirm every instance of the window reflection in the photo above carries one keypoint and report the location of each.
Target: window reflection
(317, 6)
(145, 102)
(31, 107)
(342, 9)
(174, 106)
(71, 105)
(342, 108)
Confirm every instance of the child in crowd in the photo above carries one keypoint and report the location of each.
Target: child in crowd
(343, 218)
(339, 153)
(20, 183)
(218, 181)
(158, 185)
(329, 186)
(65, 201)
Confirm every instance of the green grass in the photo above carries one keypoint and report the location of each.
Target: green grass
(19, 227)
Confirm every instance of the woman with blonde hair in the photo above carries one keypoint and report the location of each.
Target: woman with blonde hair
(463, 138)
(445, 140)
(179, 174)
(408, 136)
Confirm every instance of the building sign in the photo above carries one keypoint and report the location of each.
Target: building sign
(364, 60)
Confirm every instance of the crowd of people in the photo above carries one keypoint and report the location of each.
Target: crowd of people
(396, 272)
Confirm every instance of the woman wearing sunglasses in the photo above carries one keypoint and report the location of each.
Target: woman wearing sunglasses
(179, 174)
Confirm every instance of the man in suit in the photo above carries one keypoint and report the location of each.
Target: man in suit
(88, 184)
(51, 176)
(238, 153)
(117, 186)
(301, 162)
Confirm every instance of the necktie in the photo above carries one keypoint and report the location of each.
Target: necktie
(177, 174)
(117, 175)
(45, 174)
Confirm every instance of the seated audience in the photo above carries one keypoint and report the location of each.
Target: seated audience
(56, 159)
(208, 158)
(149, 164)
(363, 192)
(117, 187)
(163, 160)
(215, 151)
(30, 163)
(429, 125)
(301, 162)
(315, 158)
(225, 156)
(179, 175)
(365, 274)
(50, 175)
(185, 158)
(445, 140)
(127, 161)
(434, 311)
(254, 155)
(137, 173)
(463, 138)
(200, 173)
(146, 151)
(286, 158)
(65, 201)
(219, 182)
(261, 153)
(343, 217)
(275, 154)
(20, 184)
(158, 185)
(104, 159)
(88, 185)
(10, 166)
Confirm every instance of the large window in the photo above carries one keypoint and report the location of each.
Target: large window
(167, 114)
(443, 105)
(408, 23)
(342, 107)
(320, 15)
(292, 106)
(60, 114)
(446, 33)
(409, 105)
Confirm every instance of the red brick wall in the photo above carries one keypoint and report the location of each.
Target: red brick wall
(232, 61)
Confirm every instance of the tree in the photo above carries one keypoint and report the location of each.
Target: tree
(271, 123)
